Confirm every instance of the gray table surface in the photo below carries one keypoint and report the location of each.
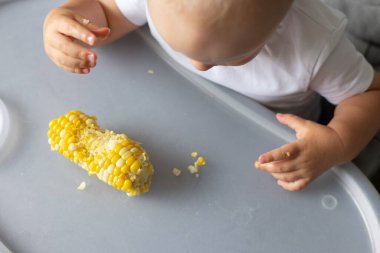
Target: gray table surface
(231, 208)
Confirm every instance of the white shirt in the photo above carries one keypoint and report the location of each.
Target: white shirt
(307, 55)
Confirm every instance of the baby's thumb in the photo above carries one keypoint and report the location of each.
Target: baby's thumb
(101, 32)
(294, 122)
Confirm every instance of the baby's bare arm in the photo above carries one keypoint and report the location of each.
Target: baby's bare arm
(92, 22)
(357, 119)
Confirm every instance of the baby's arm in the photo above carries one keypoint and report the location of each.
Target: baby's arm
(82, 21)
(356, 120)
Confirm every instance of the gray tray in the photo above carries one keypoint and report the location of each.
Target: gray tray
(232, 207)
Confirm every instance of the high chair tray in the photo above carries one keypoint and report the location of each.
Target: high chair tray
(231, 207)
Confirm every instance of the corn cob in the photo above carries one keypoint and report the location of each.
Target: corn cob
(114, 158)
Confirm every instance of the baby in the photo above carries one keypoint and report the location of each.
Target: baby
(284, 54)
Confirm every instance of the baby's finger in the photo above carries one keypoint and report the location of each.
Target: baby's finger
(73, 70)
(277, 167)
(68, 61)
(101, 32)
(287, 177)
(292, 121)
(70, 48)
(57, 60)
(294, 186)
(72, 28)
(286, 152)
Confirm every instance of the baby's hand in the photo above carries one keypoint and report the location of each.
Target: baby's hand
(63, 32)
(296, 164)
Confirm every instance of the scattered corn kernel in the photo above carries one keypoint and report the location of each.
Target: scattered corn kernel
(82, 186)
(197, 164)
(150, 71)
(193, 169)
(176, 172)
(103, 153)
(200, 161)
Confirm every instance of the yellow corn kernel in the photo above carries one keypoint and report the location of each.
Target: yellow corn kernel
(122, 151)
(105, 163)
(117, 148)
(127, 185)
(200, 161)
(113, 158)
(119, 183)
(135, 166)
(117, 171)
(124, 169)
(126, 155)
(129, 161)
(110, 179)
(194, 154)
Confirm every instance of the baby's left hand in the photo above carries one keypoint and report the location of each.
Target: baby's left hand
(296, 164)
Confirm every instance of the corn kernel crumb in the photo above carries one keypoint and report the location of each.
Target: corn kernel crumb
(150, 71)
(193, 169)
(176, 172)
(85, 21)
(194, 154)
(82, 186)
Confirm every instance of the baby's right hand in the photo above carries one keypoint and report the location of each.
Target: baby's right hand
(64, 31)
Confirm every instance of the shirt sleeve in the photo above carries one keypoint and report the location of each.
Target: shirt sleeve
(344, 73)
(133, 10)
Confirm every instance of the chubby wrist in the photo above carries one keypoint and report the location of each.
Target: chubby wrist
(344, 150)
